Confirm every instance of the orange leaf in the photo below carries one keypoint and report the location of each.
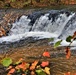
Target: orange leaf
(32, 67)
(68, 73)
(75, 74)
(11, 71)
(22, 66)
(46, 54)
(44, 64)
(68, 53)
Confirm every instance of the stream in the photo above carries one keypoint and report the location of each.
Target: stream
(57, 24)
(28, 39)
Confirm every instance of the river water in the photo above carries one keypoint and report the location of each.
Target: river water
(56, 24)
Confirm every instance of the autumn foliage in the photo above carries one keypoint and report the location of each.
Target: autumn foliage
(34, 3)
(34, 68)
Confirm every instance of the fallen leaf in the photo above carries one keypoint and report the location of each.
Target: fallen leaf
(32, 67)
(45, 63)
(46, 54)
(6, 61)
(11, 71)
(47, 70)
(40, 72)
(74, 35)
(75, 74)
(38, 66)
(33, 73)
(2, 31)
(19, 61)
(21, 66)
(9, 67)
(68, 53)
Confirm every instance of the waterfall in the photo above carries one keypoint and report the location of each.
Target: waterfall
(54, 23)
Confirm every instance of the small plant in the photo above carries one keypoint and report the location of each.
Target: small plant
(69, 39)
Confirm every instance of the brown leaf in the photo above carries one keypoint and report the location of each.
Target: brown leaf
(74, 35)
(2, 32)
(68, 53)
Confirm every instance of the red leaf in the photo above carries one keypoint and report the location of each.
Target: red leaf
(11, 71)
(46, 54)
(44, 64)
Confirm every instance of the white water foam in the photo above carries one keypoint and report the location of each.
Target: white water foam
(17, 37)
(42, 28)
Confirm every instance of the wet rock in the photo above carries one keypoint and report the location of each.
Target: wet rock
(2, 70)
(9, 16)
(35, 16)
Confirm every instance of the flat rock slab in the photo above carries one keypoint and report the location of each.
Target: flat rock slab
(33, 51)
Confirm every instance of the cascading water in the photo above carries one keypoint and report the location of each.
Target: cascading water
(54, 23)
